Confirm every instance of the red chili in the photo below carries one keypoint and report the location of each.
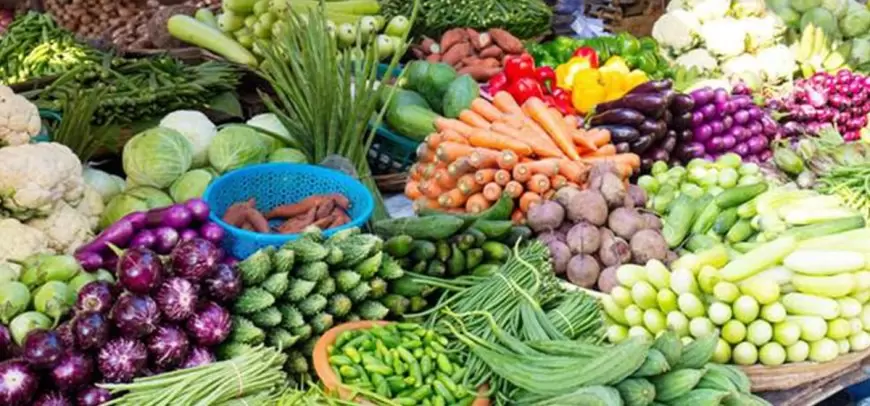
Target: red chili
(525, 88)
(497, 83)
(588, 53)
(518, 67)
(546, 76)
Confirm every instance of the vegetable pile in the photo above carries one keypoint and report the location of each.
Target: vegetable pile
(638, 53)
(322, 211)
(591, 232)
(523, 18)
(480, 55)
(591, 85)
(294, 294)
(467, 165)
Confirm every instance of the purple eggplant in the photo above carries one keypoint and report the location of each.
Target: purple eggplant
(621, 133)
(118, 234)
(135, 316)
(198, 209)
(90, 261)
(653, 86)
(43, 348)
(194, 259)
(74, 370)
(96, 296)
(648, 104)
(122, 359)
(641, 144)
(140, 270)
(91, 330)
(18, 383)
(682, 104)
(621, 116)
(93, 396)
(656, 128)
(167, 239)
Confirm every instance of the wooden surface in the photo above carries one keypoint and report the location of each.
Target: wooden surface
(815, 392)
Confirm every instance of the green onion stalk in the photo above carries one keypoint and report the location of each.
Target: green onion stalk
(327, 97)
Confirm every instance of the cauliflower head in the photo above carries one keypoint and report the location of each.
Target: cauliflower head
(747, 8)
(725, 37)
(91, 206)
(65, 228)
(707, 10)
(699, 58)
(744, 67)
(19, 118)
(33, 177)
(777, 63)
(20, 241)
(676, 30)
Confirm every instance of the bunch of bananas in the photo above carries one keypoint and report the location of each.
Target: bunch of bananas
(815, 51)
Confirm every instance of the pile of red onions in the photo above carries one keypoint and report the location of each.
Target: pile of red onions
(159, 229)
(6, 18)
(158, 318)
(842, 99)
(723, 122)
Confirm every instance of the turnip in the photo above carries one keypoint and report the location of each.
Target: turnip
(584, 238)
(650, 221)
(545, 216)
(561, 254)
(647, 245)
(624, 222)
(637, 195)
(583, 270)
(565, 195)
(607, 280)
(614, 250)
(550, 236)
(613, 190)
(588, 206)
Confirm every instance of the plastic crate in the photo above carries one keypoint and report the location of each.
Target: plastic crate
(391, 152)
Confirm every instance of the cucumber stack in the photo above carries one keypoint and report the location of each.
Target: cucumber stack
(297, 292)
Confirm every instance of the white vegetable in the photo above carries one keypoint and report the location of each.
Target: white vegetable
(698, 58)
(772, 354)
(798, 352)
(105, 184)
(759, 332)
(722, 353)
(644, 295)
(667, 300)
(654, 321)
(747, 8)
(719, 313)
(744, 66)
(839, 329)
(813, 328)
(658, 274)
(19, 119)
(678, 322)
(777, 63)
(744, 354)
(745, 309)
(733, 331)
(786, 333)
(33, 177)
(859, 341)
(826, 286)
(824, 350)
(633, 315)
(726, 292)
(629, 274)
(824, 262)
(706, 10)
(724, 37)
(774, 312)
(690, 305)
(780, 275)
(196, 128)
(677, 30)
(811, 305)
(682, 281)
(765, 291)
(701, 327)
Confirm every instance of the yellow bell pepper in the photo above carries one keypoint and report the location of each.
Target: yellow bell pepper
(616, 63)
(566, 72)
(587, 77)
(635, 78)
(612, 80)
(587, 96)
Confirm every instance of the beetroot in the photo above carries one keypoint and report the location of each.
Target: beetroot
(96, 296)
(43, 348)
(136, 316)
(198, 356)
(72, 371)
(93, 396)
(194, 259)
(91, 330)
(177, 298)
(140, 270)
(224, 284)
(210, 325)
(168, 346)
(121, 359)
(52, 399)
(18, 383)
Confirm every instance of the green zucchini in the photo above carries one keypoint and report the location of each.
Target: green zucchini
(726, 219)
(738, 195)
(501, 210)
(479, 236)
(437, 227)
(473, 257)
(195, 32)
(829, 227)
(436, 268)
(496, 251)
(700, 242)
(679, 221)
(442, 250)
(706, 218)
(494, 229)
(741, 231)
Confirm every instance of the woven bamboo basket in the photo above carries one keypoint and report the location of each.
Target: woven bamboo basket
(635, 17)
(784, 377)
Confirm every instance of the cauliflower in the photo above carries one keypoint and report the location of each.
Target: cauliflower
(33, 177)
(777, 63)
(724, 37)
(91, 206)
(19, 118)
(699, 58)
(747, 8)
(65, 228)
(676, 30)
(707, 10)
(744, 67)
(20, 241)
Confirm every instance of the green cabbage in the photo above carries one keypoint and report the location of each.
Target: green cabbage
(190, 185)
(860, 51)
(855, 23)
(805, 5)
(823, 19)
(836, 7)
(270, 122)
(197, 128)
(288, 155)
(137, 199)
(157, 157)
(105, 184)
(235, 147)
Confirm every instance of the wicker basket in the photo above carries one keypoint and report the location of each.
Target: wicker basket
(790, 376)
(635, 17)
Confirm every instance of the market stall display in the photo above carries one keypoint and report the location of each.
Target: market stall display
(479, 54)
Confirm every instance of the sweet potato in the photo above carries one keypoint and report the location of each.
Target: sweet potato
(587, 205)
(490, 63)
(235, 214)
(451, 38)
(583, 270)
(584, 238)
(298, 223)
(325, 209)
(470, 60)
(545, 216)
(479, 73)
(624, 222)
(560, 254)
(433, 58)
(647, 245)
(257, 220)
(491, 51)
(506, 41)
(456, 53)
(427, 44)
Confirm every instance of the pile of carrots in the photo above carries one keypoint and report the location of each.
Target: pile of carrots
(527, 151)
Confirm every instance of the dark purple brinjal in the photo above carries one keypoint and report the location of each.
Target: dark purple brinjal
(177, 216)
(167, 239)
(18, 383)
(653, 86)
(623, 147)
(168, 346)
(212, 232)
(96, 296)
(177, 298)
(91, 330)
(656, 128)
(194, 259)
(641, 144)
(65, 332)
(198, 208)
(143, 239)
(622, 116)
(7, 346)
(669, 143)
(90, 261)
(52, 398)
(621, 133)
(93, 396)
(135, 315)
(118, 234)
(224, 284)
(198, 356)
(43, 348)
(121, 359)
(681, 121)
(74, 370)
(682, 104)
(188, 234)
(140, 270)
(648, 104)
(210, 325)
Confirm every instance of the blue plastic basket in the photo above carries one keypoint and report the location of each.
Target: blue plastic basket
(275, 184)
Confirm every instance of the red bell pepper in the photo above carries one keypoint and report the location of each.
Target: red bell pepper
(519, 66)
(546, 76)
(563, 101)
(588, 53)
(497, 83)
(524, 88)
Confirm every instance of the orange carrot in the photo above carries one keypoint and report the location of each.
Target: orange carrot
(424, 203)
(412, 191)
(488, 139)
(598, 136)
(502, 177)
(473, 119)
(571, 121)
(453, 136)
(452, 198)
(483, 158)
(429, 170)
(512, 120)
(507, 159)
(554, 126)
(459, 167)
(442, 124)
(628, 159)
(606, 150)
(541, 145)
(485, 109)
(518, 217)
(468, 185)
(556, 113)
(548, 166)
(434, 140)
(573, 171)
(528, 199)
(430, 189)
(424, 153)
(484, 176)
(514, 189)
(558, 181)
(539, 183)
(492, 191)
(476, 203)
(506, 103)
(444, 180)
(521, 173)
(451, 151)
(415, 171)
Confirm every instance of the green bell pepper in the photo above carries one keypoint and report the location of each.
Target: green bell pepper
(649, 44)
(628, 44)
(647, 62)
(561, 48)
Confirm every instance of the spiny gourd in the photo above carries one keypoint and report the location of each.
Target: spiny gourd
(325, 286)
(277, 283)
(299, 289)
(378, 288)
(283, 260)
(313, 271)
(304, 332)
(358, 247)
(372, 310)
(256, 267)
(280, 338)
(359, 293)
(390, 269)
(321, 322)
(307, 250)
(229, 350)
(296, 362)
(397, 305)
(290, 316)
(245, 332)
(369, 267)
(312, 305)
(347, 280)
(268, 317)
(339, 305)
(253, 299)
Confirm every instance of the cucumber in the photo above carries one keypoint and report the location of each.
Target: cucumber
(398, 246)
(436, 268)
(738, 195)
(516, 234)
(407, 287)
(479, 236)
(679, 221)
(725, 221)
(829, 227)
(493, 229)
(436, 227)
(473, 257)
(402, 97)
(700, 242)
(496, 251)
(740, 231)
(459, 95)
(207, 17)
(706, 217)
(422, 250)
(442, 250)
(457, 262)
(466, 241)
(411, 120)
(501, 210)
